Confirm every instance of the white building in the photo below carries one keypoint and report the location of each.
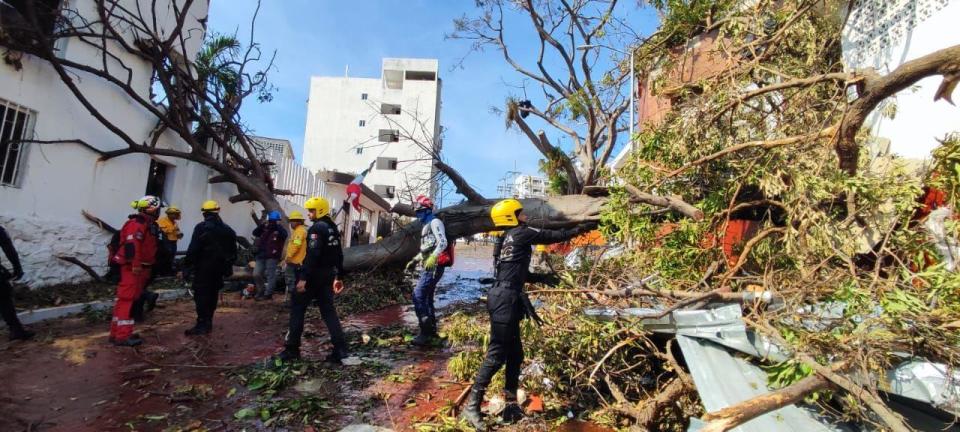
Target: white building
(392, 121)
(528, 186)
(274, 149)
(45, 187)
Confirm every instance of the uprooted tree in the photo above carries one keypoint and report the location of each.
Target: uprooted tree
(771, 145)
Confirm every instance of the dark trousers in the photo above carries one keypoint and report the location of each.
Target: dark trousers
(505, 348)
(423, 295)
(206, 293)
(6, 306)
(321, 290)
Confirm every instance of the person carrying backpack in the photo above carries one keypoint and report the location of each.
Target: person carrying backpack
(433, 250)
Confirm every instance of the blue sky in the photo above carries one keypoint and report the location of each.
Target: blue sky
(322, 37)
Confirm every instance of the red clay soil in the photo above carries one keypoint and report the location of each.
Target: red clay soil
(71, 379)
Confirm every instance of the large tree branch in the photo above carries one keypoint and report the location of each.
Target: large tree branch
(463, 188)
(874, 89)
(674, 203)
(733, 416)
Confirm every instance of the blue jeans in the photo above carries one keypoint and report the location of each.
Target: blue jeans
(265, 276)
(423, 296)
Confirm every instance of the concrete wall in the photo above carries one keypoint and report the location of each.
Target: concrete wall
(333, 131)
(42, 212)
(884, 34)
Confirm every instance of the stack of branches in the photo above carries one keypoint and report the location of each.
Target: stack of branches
(771, 145)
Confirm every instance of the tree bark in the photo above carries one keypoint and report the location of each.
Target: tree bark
(733, 416)
(467, 219)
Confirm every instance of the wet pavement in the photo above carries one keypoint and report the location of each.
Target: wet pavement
(71, 379)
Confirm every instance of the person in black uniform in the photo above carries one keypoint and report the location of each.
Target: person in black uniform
(6, 289)
(318, 279)
(507, 305)
(209, 259)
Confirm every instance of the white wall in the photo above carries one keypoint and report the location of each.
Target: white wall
(42, 213)
(336, 108)
(883, 34)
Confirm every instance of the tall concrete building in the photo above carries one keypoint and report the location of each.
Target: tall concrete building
(392, 122)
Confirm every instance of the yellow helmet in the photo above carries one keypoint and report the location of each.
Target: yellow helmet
(173, 210)
(504, 213)
(295, 216)
(210, 206)
(319, 205)
(146, 202)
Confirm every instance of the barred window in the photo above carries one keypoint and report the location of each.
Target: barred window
(15, 125)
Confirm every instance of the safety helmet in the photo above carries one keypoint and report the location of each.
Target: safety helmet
(173, 210)
(423, 202)
(504, 213)
(318, 204)
(274, 215)
(147, 202)
(210, 206)
(295, 216)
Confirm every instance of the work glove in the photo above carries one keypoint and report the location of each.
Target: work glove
(410, 266)
(430, 263)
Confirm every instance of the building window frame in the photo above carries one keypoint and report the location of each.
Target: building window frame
(15, 119)
(363, 96)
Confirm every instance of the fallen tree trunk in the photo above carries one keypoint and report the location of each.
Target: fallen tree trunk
(468, 219)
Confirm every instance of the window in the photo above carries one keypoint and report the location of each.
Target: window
(156, 178)
(359, 150)
(363, 96)
(385, 190)
(421, 76)
(389, 109)
(15, 126)
(363, 123)
(389, 135)
(386, 163)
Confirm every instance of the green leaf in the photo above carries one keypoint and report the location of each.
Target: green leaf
(245, 413)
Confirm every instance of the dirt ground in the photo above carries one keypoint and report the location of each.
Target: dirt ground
(71, 379)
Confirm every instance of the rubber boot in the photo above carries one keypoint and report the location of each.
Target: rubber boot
(21, 333)
(131, 341)
(424, 337)
(201, 328)
(288, 354)
(471, 412)
(512, 412)
(151, 301)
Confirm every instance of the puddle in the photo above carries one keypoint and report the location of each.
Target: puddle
(461, 283)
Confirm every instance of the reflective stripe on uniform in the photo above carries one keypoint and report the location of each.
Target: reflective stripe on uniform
(121, 322)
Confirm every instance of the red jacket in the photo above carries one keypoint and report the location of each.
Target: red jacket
(138, 241)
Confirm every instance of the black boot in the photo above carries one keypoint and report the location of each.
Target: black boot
(471, 413)
(512, 412)
(151, 301)
(201, 328)
(288, 354)
(336, 356)
(20, 333)
(131, 341)
(428, 330)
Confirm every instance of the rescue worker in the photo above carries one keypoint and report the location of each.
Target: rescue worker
(318, 279)
(433, 242)
(268, 247)
(507, 305)
(136, 254)
(210, 257)
(9, 313)
(170, 228)
(296, 251)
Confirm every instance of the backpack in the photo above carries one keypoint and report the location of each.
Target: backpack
(446, 258)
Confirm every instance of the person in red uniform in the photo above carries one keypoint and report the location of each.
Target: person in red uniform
(135, 255)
